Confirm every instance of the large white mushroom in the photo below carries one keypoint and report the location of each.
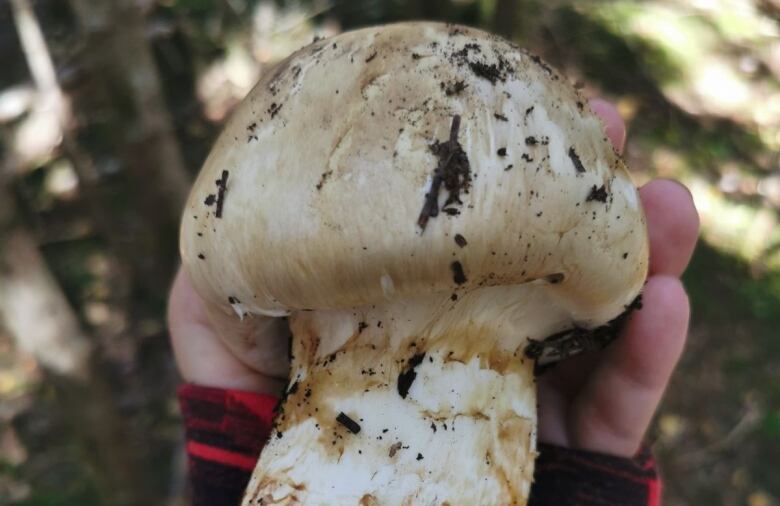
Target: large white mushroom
(434, 210)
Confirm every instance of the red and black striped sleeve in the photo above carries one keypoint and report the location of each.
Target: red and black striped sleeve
(582, 478)
(226, 429)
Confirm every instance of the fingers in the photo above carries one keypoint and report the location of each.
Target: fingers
(201, 355)
(616, 405)
(553, 405)
(672, 225)
(614, 125)
(610, 404)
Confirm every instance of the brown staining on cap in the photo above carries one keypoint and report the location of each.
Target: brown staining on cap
(460, 240)
(453, 170)
(599, 194)
(368, 500)
(407, 377)
(348, 422)
(371, 57)
(394, 449)
(457, 273)
(575, 159)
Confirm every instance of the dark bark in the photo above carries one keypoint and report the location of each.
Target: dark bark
(36, 314)
(128, 156)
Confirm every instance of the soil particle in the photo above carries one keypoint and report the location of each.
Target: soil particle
(348, 422)
(453, 171)
(458, 276)
(598, 193)
(575, 159)
(407, 377)
(221, 190)
(453, 88)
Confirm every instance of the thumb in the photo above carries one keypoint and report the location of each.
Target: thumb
(614, 126)
(212, 349)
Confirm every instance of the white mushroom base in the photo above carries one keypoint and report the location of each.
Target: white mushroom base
(465, 431)
(444, 444)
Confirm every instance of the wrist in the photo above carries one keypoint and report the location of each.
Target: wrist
(246, 381)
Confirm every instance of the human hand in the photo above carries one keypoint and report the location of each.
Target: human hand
(204, 359)
(604, 401)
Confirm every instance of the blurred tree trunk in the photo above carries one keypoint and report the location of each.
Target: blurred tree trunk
(35, 312)
(33, 307)
(134, 171)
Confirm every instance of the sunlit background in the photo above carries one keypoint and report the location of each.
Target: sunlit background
(108, 107)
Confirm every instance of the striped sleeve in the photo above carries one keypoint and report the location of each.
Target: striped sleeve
(226, 429)
(582, 478)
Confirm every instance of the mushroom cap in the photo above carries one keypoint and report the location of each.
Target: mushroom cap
(312, 196)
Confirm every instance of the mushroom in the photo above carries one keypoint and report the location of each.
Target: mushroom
(436, 212)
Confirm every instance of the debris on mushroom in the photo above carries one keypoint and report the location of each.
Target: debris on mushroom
(423, 281)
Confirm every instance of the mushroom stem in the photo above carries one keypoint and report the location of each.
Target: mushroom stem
(426, 401)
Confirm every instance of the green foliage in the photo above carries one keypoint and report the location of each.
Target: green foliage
(770, 425)
(82, 494)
